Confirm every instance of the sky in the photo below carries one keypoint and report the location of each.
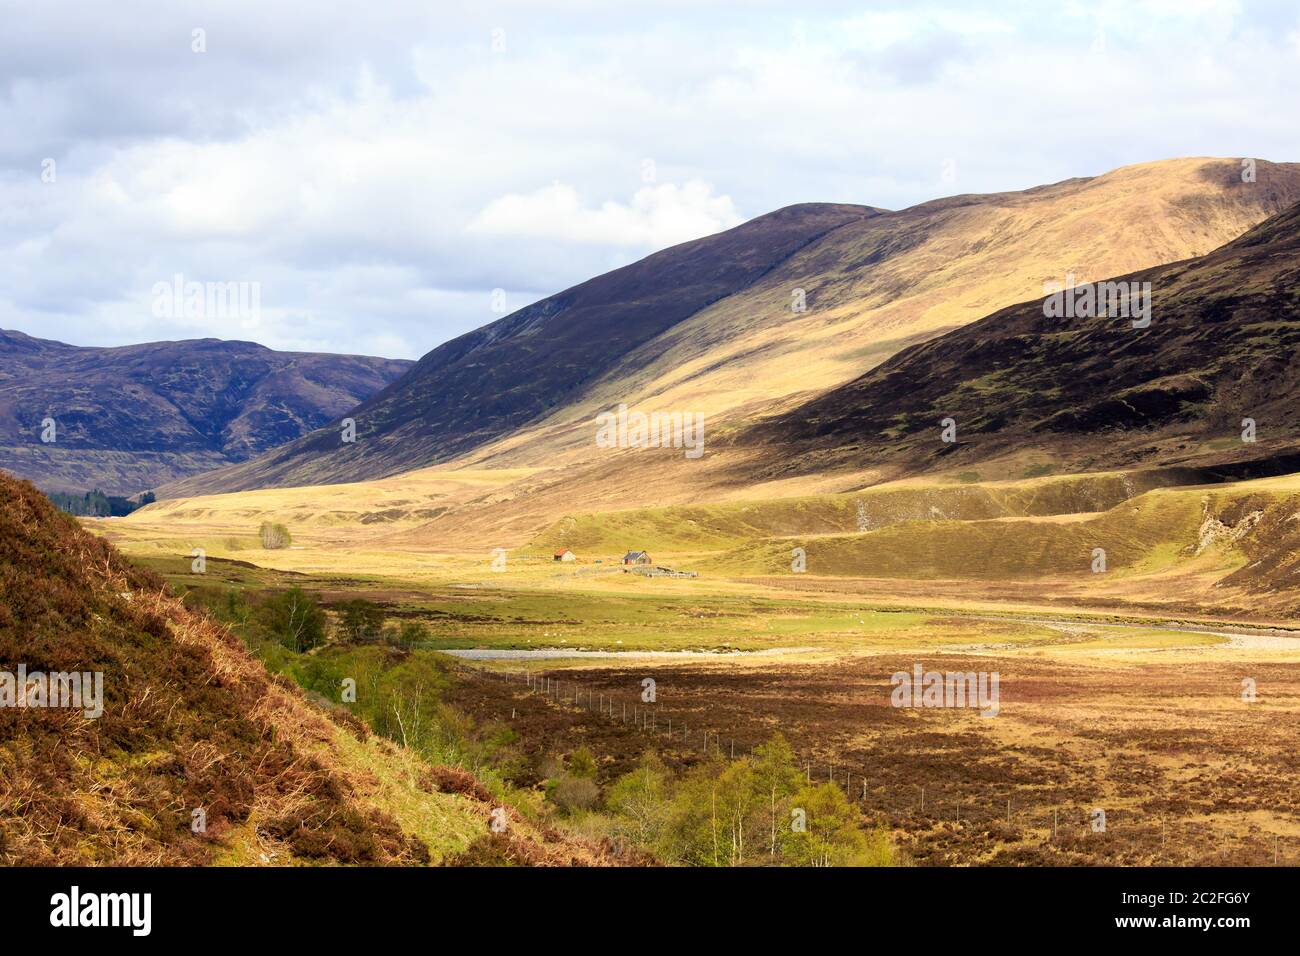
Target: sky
(382, 177)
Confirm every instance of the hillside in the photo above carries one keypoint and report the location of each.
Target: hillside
(1227, 549)
(189, 721)
(1086, 393)
(132, 417)
(480, 386)
(668, 333)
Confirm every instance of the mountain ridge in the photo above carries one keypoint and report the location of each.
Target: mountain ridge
(876, 283)
(1218, 353)
(128, 417)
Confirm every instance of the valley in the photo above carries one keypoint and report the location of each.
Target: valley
(1120, 690)
(885, 459)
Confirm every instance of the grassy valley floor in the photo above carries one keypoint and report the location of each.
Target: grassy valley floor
(1123, 691)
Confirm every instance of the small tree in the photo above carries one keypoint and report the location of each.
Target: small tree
(412, 632)
(294, 619)
(640, 800)
(582, 763)
(572, 794)
(776, 778)
(361, 620)
(274, 536)
(833, 836)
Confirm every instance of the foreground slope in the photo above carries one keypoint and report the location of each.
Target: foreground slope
(190, 722)
(1087, 392)
(129, 418)
(708, 326)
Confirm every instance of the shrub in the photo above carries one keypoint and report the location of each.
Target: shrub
(412, 632)
(582, 763)
(293, 619)
(361, 620)
(571, 793)
(274, 536)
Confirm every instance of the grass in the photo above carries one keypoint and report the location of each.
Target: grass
(723, 526)
(190, 720)
(1142, 717)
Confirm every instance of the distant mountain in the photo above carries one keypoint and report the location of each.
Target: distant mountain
(1213, 380)
(713, 326)
(129, 418)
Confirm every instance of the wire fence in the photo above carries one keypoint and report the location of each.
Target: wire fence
(1164, 839)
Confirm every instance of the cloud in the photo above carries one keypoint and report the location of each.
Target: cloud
(658, 216)
(379, 170)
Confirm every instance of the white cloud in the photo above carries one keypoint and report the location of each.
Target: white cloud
(657, 216)
(378, 169)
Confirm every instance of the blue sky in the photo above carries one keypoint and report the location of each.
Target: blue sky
(381, 169)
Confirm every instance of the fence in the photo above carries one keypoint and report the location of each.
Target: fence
(1062, 825)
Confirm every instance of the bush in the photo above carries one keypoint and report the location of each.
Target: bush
(274, 536)
(572, 794)
(639, 801)
(582, 763)
(412, 632)
(293, 619)
(361, 620)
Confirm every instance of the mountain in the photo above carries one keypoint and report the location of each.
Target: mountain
(183, 725)
(1213, 380)
(484, 384)
(709, 326)
(129, 418)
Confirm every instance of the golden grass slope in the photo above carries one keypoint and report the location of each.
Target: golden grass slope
(716, 527)
(879, 284)
(873, 287)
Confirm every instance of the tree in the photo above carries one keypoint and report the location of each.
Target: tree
(294, 619)
(777, 778)
(691, 832)
(361, 620)
(274, 536)
(412, 632)
(735, 796)
(582, 763)
(639, 799)
(574, 787)
(571, 793)
(832, 836)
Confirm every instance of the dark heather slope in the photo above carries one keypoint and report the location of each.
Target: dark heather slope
(488, 382)
(187, 720)
(1088, 392)
(130, 418)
